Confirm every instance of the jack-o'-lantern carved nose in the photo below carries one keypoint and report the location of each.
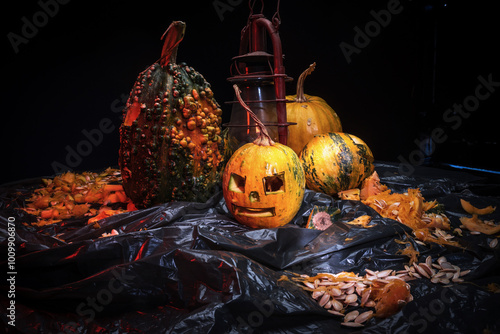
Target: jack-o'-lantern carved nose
(254, 197)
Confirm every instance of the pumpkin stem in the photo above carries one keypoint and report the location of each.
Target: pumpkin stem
(264, 139)
(173, 36)
(300, 83)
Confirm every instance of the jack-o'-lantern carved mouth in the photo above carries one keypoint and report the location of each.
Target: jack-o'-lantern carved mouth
(253, 212)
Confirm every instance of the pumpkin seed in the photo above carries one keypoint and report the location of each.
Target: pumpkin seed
(384, 273)
(493, 243)
(326, 283)
(335, 313)
(371, 272)
(439, 274)
(371, 303)
(421, 270)
(322, 302)
(427, 268)
(446, 266)
(336, 305)
(317, 294)
(435, 279)
(335, 292)
(350, 291)
(365, 297)
(352, 324)
(309, 285)
(350, 299)
(345, 286)
(363, 317)
(444, 280)
(351, 316)
(464, 272)
(341, 297)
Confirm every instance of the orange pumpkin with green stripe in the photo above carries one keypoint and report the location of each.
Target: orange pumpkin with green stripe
(335, 162)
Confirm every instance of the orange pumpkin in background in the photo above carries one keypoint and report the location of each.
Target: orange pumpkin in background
(311, 113)
(263, 182)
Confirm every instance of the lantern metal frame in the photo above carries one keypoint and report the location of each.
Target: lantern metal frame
(255, 66)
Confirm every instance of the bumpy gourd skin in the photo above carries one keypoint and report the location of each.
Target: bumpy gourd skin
(170, 142)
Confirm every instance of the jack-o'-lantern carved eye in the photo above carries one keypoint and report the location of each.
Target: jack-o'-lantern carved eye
(237, 183)
(274, 184)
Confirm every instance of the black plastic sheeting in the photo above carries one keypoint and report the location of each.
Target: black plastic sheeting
(191, 268)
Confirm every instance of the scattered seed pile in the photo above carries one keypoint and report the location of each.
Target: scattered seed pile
(351, 296)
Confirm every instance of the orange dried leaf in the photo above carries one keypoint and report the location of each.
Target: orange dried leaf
(493, 287)
(80, 209)
(44, 222)
(362, 221)
(42, 202)
(469, 208)
(429, 205)
(113, 187)
(409, 251)
(371, 186)
(477, 225)
(351, 194)
(104, 213)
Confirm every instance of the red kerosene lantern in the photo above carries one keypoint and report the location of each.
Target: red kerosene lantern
(261, 77)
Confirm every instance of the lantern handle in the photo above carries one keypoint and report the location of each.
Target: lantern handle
(276, 19)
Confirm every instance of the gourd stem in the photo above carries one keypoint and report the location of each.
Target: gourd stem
(300, 83)
(172, 36)
(264, 139)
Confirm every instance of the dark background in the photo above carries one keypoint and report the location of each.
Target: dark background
(75, 69)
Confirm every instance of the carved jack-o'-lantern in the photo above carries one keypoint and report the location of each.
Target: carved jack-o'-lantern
(263, 182)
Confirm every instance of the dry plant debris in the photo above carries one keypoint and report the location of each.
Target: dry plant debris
(73, 195)
(426, 218)
(476, 225)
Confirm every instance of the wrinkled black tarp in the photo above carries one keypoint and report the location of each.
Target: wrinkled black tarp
(190, 268)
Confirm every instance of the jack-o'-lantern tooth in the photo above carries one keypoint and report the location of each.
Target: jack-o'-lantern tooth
(166, 97)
